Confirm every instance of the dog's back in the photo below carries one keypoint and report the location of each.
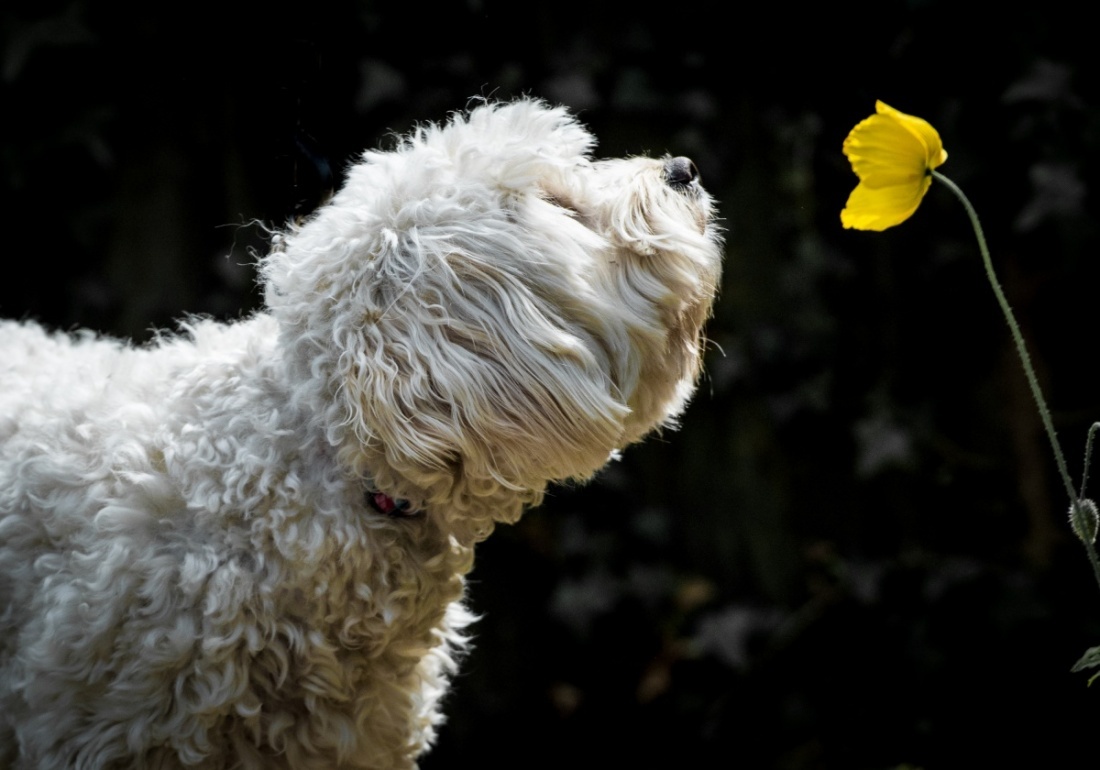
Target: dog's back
(186, 573)
(105, 563)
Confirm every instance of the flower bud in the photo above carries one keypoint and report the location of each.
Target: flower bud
(1084, 519)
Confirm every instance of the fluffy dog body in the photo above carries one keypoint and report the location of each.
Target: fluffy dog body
(194, 569)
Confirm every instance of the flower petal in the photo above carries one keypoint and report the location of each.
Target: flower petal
(883, 152)
(935, 155)
(877, 208)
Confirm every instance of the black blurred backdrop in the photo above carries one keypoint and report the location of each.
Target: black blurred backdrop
(854, 553)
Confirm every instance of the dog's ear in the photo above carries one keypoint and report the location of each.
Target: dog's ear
(463, 382)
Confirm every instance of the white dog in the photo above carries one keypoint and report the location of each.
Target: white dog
(245, 546)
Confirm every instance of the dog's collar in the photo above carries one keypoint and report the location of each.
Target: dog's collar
(389, 506)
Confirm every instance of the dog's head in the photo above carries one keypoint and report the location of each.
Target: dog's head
(485, 309)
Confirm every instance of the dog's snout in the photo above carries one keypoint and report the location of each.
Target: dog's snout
(680, 172)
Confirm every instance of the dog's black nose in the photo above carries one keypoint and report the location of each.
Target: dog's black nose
(680, 172)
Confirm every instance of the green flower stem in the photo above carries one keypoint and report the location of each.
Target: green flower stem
(1088, 458)
(1025, 360)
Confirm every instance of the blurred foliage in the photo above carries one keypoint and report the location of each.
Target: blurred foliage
(854, 553)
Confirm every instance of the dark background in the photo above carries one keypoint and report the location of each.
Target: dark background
(854, 553)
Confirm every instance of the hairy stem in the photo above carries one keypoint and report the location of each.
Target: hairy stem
(1025, 360)
(1088, 458)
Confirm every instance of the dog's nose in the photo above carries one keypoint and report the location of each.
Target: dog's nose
(680, 172)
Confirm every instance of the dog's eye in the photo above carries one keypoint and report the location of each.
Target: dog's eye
(680, 172)
(561, 203)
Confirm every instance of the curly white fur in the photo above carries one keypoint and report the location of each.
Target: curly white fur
(190, 572)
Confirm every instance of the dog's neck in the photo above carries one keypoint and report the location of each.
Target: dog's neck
(388, 506)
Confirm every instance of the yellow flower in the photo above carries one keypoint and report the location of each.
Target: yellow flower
(893, 155)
